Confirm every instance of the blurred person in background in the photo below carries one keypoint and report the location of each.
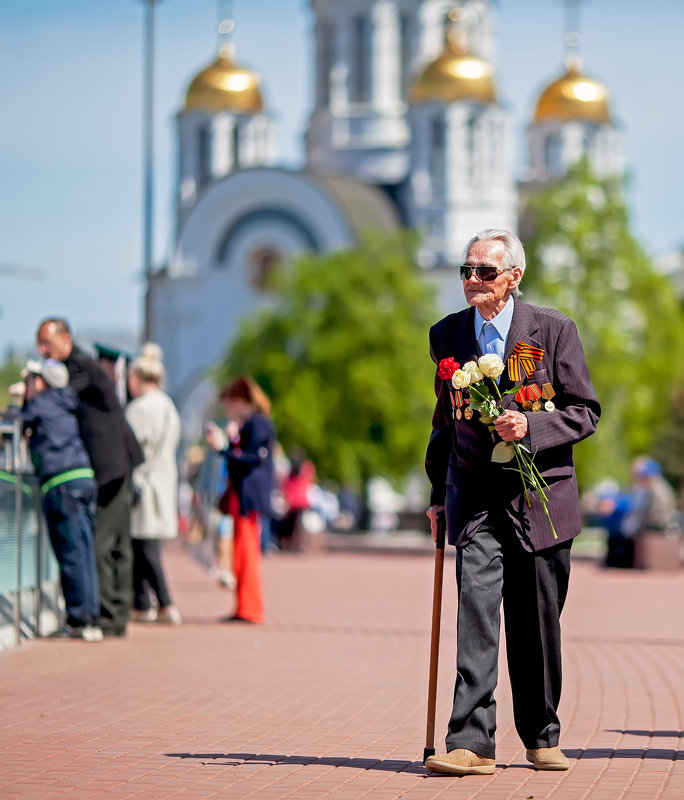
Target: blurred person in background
(114, 452)
(298, 489)
(350, 509)
(653, 507)
(605, 506)
(68, 488)
(156, 424)
(247, 445)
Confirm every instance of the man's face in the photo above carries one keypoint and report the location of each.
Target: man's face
(53, 342)
(489, 295)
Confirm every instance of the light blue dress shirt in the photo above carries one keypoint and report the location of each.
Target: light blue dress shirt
(491, 335)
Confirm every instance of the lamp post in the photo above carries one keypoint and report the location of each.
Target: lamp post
(148, 161)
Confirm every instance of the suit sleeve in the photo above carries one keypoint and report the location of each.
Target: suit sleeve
(441, 439)
(577, 407)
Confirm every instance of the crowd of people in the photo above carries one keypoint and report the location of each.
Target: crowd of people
(108, 480)
(105, 445)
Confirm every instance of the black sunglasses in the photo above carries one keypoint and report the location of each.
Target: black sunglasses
(483, 273)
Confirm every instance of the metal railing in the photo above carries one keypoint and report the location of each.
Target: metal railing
(26, 564)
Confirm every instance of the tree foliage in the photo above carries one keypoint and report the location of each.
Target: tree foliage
(584, 261)
(343, 355)
(10, 372)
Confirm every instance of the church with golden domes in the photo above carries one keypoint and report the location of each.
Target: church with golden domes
(407, 130)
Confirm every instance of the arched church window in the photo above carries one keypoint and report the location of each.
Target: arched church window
(553, 154)
(360, 60)
(326, 60)
(235, 146)
(471, 133)
(405, 31)
(262, 262)
(437, 154)
(203, 155)
(587, 143)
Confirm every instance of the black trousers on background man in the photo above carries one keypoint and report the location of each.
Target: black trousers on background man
(114, 555)
(148, 575)
(493, 566)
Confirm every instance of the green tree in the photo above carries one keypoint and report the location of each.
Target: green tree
(584, 261)
(343, 355)
(10, 372)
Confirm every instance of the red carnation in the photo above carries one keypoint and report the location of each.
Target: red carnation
(447, 367)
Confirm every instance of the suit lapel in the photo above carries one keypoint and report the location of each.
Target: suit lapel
(463, 344)
(523, 329)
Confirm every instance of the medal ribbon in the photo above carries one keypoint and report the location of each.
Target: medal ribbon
(523, 360)
(531, 392)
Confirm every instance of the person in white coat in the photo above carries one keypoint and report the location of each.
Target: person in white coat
(156, 424)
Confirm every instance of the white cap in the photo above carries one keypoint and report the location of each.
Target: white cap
(53, 372)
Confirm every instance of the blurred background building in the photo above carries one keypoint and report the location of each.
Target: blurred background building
(408, 129)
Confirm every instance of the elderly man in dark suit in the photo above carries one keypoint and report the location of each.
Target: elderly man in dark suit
(507, 547)
(114, 452)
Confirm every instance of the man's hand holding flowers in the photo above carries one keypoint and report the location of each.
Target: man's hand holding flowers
(512, 426)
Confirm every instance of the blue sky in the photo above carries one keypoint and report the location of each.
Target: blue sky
(70, 141)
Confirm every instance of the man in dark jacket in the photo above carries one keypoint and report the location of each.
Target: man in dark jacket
(114, 452)
(507, 547)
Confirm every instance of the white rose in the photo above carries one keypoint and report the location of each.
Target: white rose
(491, 365)
(460, 379)
(473, 370)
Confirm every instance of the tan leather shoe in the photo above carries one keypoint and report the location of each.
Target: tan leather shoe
(547, 758)
(460, 762)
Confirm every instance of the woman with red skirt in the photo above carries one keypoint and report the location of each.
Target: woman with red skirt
(248, 449)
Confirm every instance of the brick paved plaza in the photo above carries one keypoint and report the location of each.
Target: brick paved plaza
(327, 700)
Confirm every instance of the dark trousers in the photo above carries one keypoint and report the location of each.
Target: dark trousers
(114, 554)
(70, 515)
(493, 566)
(148, 575)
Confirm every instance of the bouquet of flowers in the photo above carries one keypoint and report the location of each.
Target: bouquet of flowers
(472, 376)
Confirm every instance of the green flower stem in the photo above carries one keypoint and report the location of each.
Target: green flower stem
(534, 476)
(539, 476)
(522, 476)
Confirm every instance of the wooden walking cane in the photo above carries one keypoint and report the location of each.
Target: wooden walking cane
(429, 749)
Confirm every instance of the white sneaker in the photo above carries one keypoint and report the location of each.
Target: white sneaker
(92, 633)
(169, 615)
(148, 615)
(227, 579)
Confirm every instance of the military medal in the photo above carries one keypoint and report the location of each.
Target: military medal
(528, 395)
(457, 403)
(549, 406)
(533, 392)
(536, 406)
(468, 413)
(547, 391)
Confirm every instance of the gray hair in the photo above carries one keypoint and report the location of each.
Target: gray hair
(514, 252)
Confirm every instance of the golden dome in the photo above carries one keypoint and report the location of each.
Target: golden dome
(224, 86)
(574, 96)
(455, 75)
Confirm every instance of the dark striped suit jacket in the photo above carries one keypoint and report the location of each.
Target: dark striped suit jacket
(458, 460)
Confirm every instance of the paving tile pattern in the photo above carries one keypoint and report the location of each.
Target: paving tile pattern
(327, 700)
